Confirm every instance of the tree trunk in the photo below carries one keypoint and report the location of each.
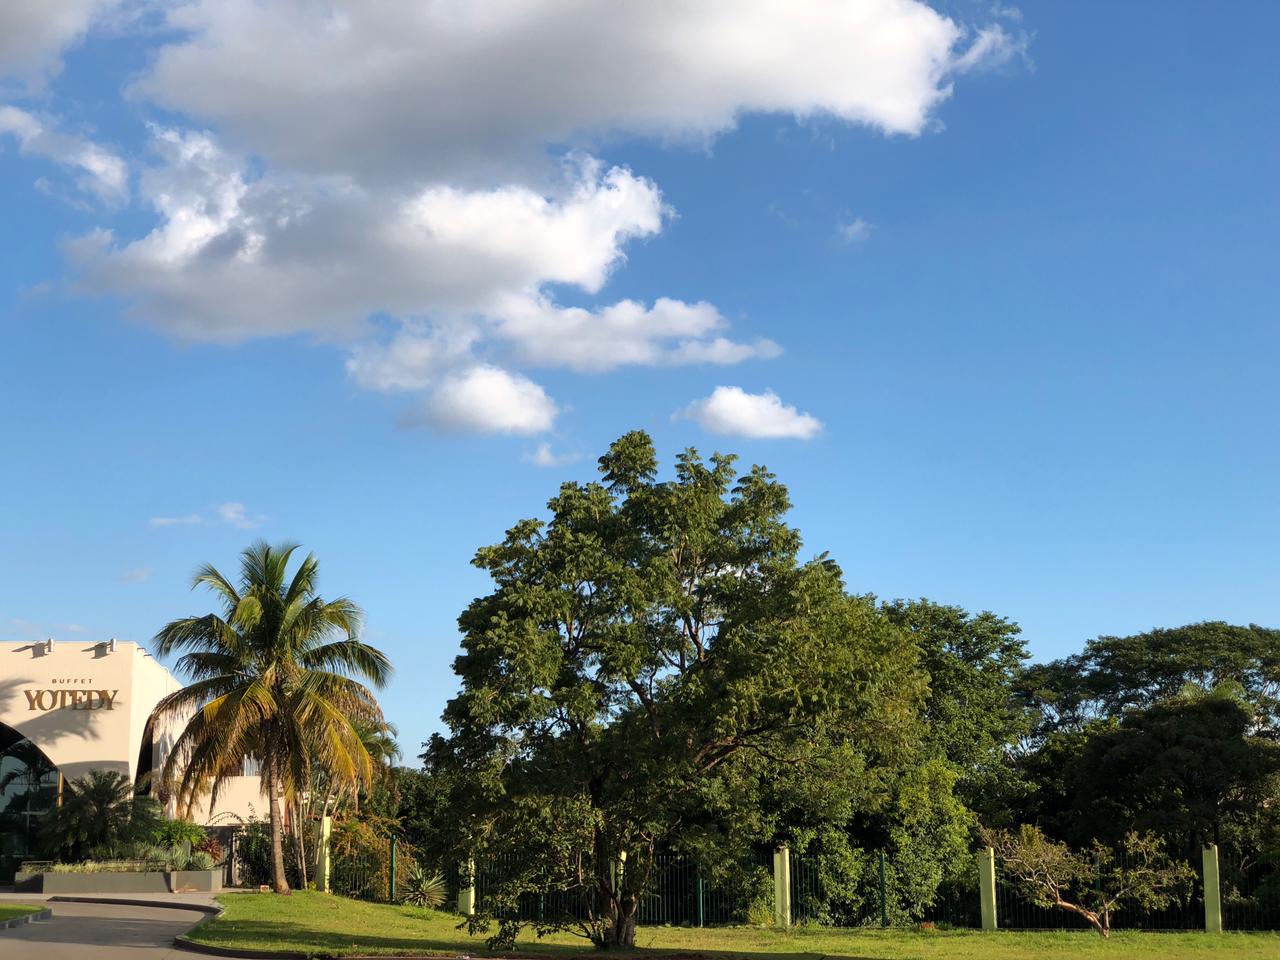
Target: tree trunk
(621, 932)
(1101, 924)
(279, 880)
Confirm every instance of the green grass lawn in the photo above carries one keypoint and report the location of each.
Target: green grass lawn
(320, 924)
(9, 911)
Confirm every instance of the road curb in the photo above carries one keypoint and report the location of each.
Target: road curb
(45, 914)
(191, 946)
(204, 908)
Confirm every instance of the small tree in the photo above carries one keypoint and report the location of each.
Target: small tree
(1095, 882)
(100, 809)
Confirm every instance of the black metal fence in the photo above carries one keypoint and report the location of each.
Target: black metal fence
(1250, 890)
(682, 892)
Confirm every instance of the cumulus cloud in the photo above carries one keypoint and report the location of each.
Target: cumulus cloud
(486, 399)
(96, 169)
(34, 33)
(473, 88)
(854, 231)
(731, 411)
(544, 456)
(187, 520)
(235, 257)
(383, 176)
(627, 332)
(231, 513)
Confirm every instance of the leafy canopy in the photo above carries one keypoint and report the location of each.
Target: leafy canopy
(651, 659)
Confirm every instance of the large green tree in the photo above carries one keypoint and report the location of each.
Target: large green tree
(1188, 768)
(652, 659)
(279, 675)
(1114, 675)
(971, 717)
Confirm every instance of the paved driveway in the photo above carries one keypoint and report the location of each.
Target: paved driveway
(90, 931)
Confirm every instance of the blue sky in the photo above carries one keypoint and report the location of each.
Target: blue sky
(993, 290)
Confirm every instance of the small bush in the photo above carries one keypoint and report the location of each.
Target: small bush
(422, 889)
(213, 848)
(177, 833)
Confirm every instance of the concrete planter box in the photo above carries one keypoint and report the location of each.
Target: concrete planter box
(104, 883)
(179, 881)
(196, 881)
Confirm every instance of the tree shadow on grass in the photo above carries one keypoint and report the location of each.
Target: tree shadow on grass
(287, 935)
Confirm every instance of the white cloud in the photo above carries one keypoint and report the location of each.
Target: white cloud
(731, 411)
(34, 33)
(233, 514)
(486, 399)
(993, 47)
(235, 257)
(544, 456)
(854, 231)
(100, 171)
(466, 89)
(627, 332)
(381, 175)
(190, 519)
(140, 575)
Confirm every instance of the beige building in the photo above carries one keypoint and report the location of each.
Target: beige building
(68, 707)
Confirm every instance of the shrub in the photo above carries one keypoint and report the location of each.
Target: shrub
(213, 848)
(253, 851)
(177, 833)
(423, 889)
(97, 810)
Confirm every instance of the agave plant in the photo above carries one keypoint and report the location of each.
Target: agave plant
(422, 889)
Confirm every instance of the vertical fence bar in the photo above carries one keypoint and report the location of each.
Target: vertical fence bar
(702, 907)
(782, 886)
(1212, 890)
(884, 894)
(987, 887)
(391, 885)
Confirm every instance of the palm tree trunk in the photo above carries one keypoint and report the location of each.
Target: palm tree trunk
(279, 881)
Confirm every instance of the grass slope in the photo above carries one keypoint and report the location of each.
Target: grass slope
(320, 924)
(11, 911)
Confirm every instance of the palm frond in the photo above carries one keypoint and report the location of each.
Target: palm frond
(352, 657)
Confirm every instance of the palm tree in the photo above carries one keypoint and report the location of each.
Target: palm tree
(100, 809)
(275, 677)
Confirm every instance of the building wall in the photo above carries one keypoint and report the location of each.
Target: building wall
(86, 705)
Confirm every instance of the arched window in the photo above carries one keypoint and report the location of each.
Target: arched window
(28, 791)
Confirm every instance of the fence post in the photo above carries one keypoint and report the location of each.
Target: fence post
(324, 859)
(987, 887)
(701, 902)
(1212, 890)
(782, 886)
(392, 884)
(884, 894)
(467, 890)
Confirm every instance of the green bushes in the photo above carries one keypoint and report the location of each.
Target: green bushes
(178, 833)
(99, 809)
(160, 860)
(424, 889)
